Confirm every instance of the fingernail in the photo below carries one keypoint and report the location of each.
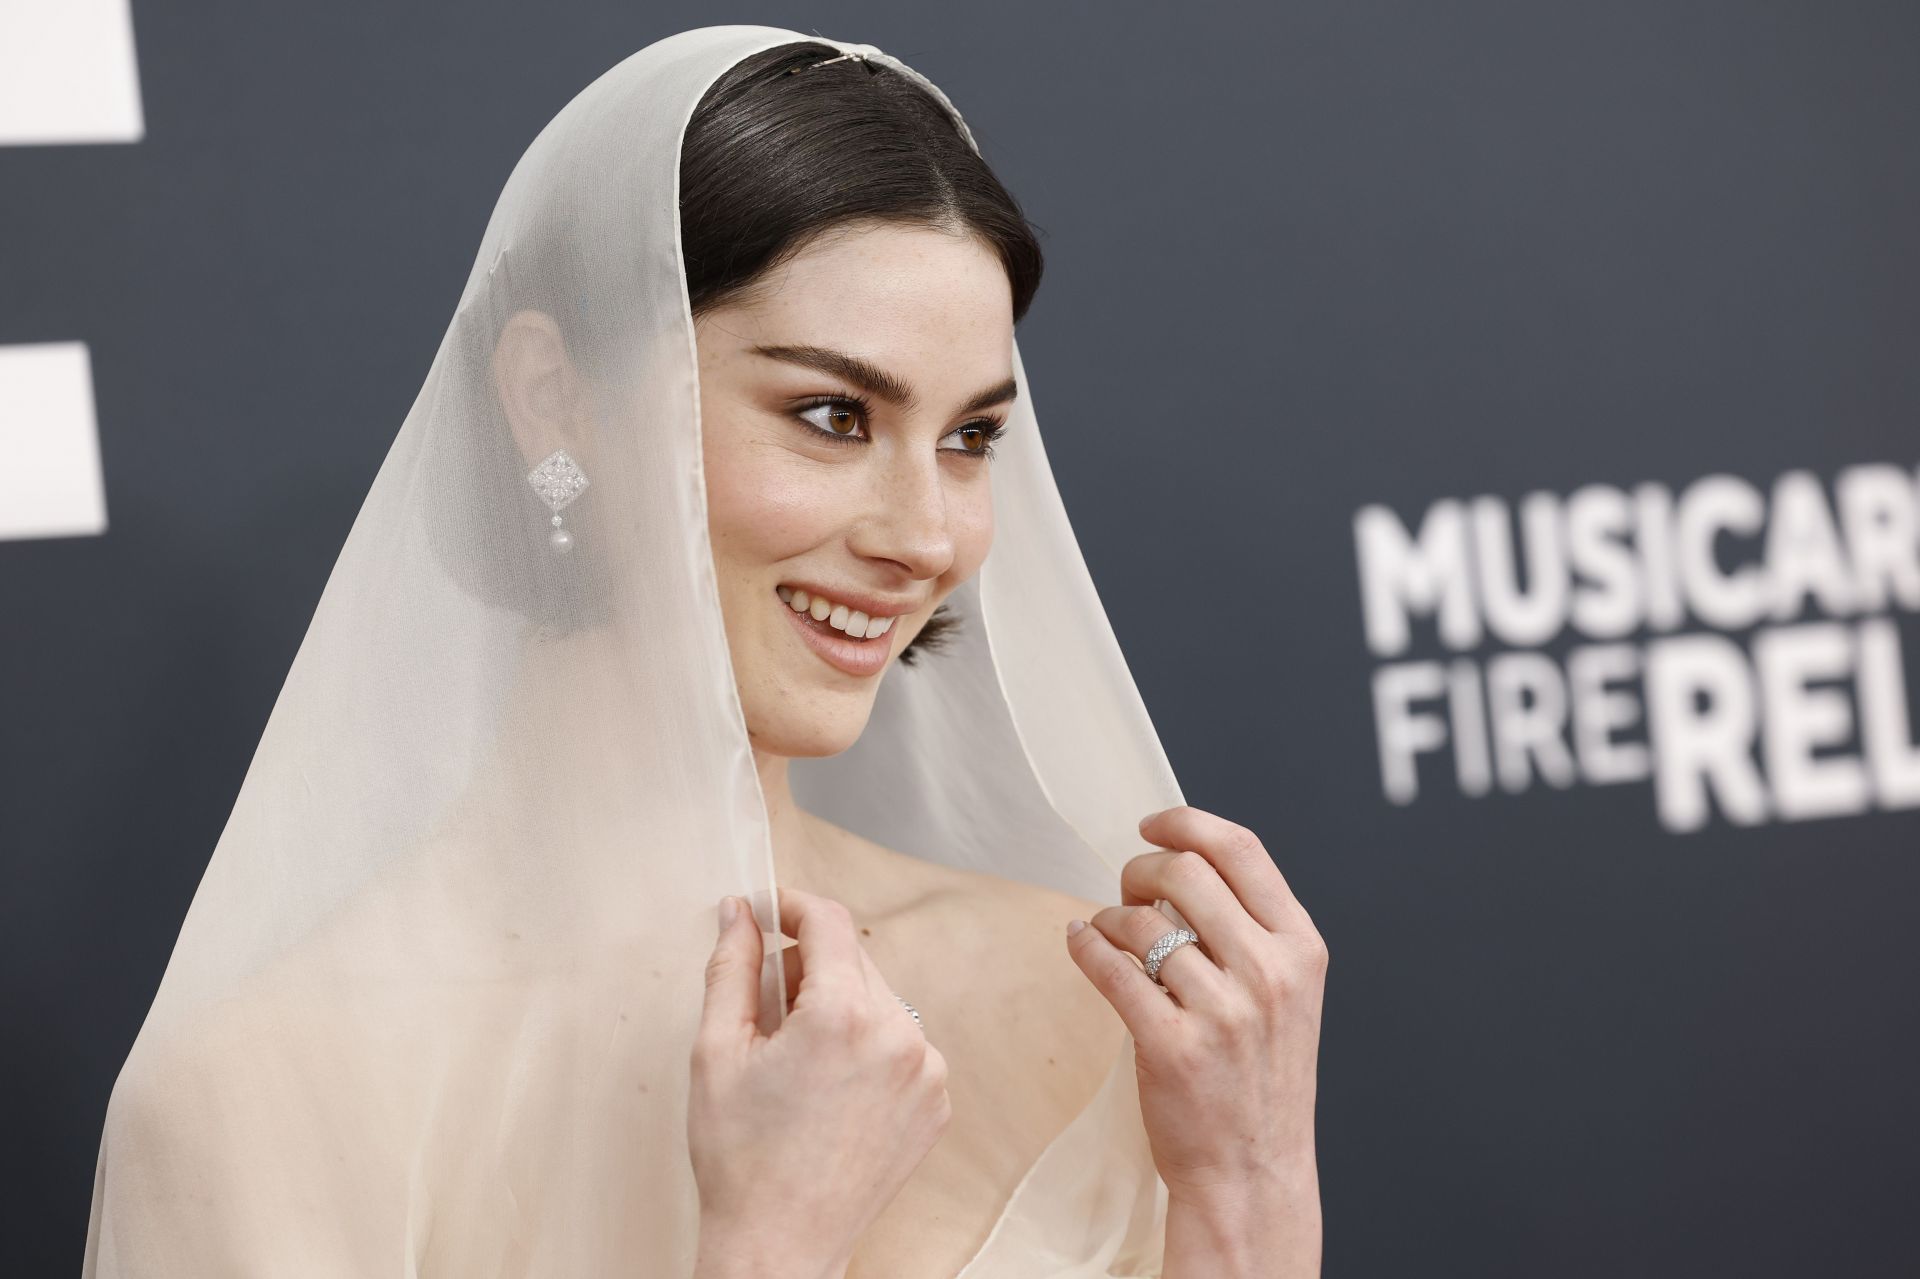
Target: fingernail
(729, 911)
(1076, 926)
(1150, 816)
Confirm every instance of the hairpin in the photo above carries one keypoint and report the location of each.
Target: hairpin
(858, 55)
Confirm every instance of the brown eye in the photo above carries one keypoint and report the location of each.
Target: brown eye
(841, 419)
(977, 437)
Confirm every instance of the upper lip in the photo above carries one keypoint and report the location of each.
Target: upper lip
(871, 605)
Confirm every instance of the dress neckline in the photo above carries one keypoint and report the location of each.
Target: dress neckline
(1013, 1198)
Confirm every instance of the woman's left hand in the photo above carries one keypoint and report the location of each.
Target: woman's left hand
(1226, 1055)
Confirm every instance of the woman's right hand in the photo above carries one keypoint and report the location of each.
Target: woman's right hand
(801, 1137)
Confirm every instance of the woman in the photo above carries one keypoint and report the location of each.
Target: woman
(732, 384)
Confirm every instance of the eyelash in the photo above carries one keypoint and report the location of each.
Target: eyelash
(994, 430)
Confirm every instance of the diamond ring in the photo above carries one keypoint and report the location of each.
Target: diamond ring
(1168, 943)
(916, 1014)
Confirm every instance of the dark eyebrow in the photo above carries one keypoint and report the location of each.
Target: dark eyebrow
(871, 377)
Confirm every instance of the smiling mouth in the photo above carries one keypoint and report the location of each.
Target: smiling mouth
(821, 613)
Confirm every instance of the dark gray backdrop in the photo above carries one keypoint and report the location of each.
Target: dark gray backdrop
(1302, 258)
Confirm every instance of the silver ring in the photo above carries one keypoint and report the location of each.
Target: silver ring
(916, 1014)
(1168, 943)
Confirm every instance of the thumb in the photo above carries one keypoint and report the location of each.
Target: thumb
(733, 972)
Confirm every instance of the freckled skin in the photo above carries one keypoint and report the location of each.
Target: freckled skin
(904, 515)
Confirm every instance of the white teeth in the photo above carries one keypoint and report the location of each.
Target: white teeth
(856, 624)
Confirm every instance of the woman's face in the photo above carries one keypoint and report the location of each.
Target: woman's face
(879, 509)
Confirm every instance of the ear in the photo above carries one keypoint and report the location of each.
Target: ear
(540, 391)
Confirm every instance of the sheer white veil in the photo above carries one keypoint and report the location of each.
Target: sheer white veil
(431, 1007)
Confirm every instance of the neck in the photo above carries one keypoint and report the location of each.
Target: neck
(808, 853)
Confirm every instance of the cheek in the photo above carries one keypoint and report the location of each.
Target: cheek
(763, 503)
(972, 534)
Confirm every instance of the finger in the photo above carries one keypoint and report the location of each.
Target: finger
(1196, 890)
(732, 1002)
(832, 961)
(880, 988)
(793, 972)
(1149, 1015)
(1191, 977)
(794, 975)
(876, 986)
(1237, 854)
(880, 994)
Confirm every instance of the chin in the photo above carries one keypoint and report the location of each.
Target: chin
(800, 736)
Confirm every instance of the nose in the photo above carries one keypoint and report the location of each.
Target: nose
(906, 515)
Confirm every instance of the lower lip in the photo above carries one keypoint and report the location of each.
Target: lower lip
(855, 657)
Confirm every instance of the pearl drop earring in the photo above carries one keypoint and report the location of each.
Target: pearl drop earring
(558, 480)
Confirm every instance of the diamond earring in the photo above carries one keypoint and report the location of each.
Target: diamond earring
(558, 480)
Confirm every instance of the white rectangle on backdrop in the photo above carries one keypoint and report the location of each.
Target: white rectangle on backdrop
(50, 483)
(68, 72)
